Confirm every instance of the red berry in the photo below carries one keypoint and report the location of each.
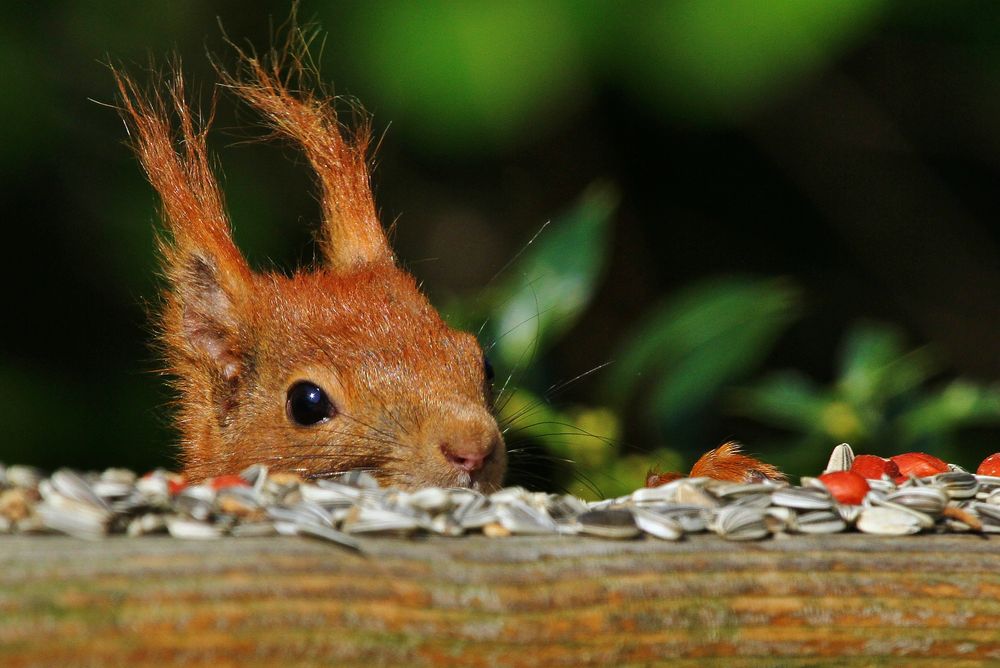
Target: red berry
(223, 481)
(175, 484)
(990, 465)
(846, 486)
(874, 467)
(919, 464)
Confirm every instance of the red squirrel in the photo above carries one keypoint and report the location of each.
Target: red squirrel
(343, 367)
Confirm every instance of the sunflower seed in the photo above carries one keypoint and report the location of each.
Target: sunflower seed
(958, 484)
(885, 486)
(304, 512)
(693, 519)
(725, 490)
(819, 521)
(805, 498)
(182, 527)
(340, 496)
(924, 520)
(692, 493)
(431, 499)
(521, 518)
(991, 497)
(445, 525)
(740, 523)
(239, 501)
(779, 519)
(155, 488)
(989, 513)
(841, 459)
(475, 512)
(146, 524)
(988, 484)
(887, 521)
(197, 501)
(69, 516)
(848, 513)
(667, 492)
(363, 519)
(930, 500)
(24, 477)
(657, 525)
(566, 508)
(753, 500)
(72, 486)
(255, 475)
(608, 523)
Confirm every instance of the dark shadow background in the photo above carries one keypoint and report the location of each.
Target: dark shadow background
(859, 155)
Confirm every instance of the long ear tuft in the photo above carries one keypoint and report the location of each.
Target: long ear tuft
(278, 85)
(208, 276)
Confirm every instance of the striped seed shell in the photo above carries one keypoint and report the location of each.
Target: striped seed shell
(887, 521)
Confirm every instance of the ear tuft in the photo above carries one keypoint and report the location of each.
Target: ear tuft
(274, 85)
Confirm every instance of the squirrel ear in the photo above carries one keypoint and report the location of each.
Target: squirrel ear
(278, 86)
(205, 317)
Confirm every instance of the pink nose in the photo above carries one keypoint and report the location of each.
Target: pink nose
(468, 457)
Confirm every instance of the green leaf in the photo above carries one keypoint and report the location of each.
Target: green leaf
(551, 283)
(961, 403)
(708, 336)
(874, 367)
(785, 399)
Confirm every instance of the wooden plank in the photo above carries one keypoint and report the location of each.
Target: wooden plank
(554, 601)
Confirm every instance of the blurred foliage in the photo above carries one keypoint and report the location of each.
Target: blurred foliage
(700, 344)
(543, 291)
(469, 76)
(882, 402)
(712, 60)
(688, 349)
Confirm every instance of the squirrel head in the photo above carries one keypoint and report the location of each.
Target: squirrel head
(347, 366)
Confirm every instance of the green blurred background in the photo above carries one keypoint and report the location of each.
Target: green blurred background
(772, 221)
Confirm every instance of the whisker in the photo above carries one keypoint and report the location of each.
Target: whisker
(518, 253)
(559, 387)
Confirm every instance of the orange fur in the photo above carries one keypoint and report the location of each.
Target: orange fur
(408, 389)
(725, 462)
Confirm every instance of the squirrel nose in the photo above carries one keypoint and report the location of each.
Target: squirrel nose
(468, 456)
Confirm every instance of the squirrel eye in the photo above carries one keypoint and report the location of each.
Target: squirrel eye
(487, 369)
(307, 404)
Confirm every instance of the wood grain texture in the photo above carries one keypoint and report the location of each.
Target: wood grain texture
(843, 599)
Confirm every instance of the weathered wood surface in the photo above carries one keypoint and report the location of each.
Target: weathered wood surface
(928, 600)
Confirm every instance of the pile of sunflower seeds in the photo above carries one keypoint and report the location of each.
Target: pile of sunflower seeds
(263, 503)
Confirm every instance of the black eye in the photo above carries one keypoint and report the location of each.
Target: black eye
(487, 369)
(308, 404)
